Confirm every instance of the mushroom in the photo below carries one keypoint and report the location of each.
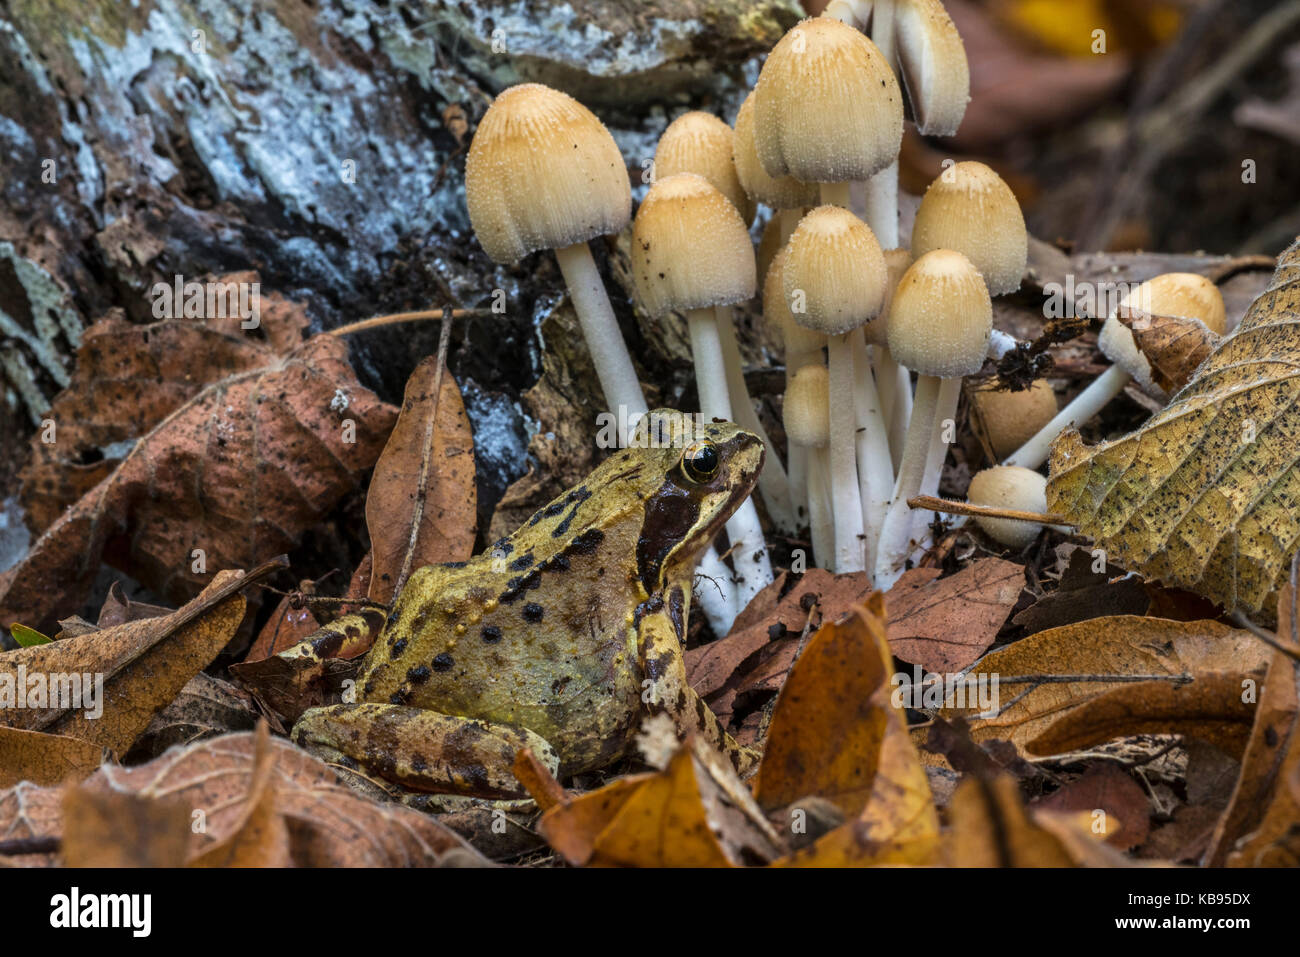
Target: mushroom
(834, 281)
(700, 143)
(691, 253)
(971, 210)
(544, 173)
(1007, 419)
(827, 108)
(893, 382)
(807, 425)
(785, 195)
(1010, 487)
(1186, 295)
(801, 347)
(939, 325)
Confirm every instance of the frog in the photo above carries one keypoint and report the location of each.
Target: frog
(561, 638)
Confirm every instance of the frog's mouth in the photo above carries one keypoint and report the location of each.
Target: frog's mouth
(673, 531)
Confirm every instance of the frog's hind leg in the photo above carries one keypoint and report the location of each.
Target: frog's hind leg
(668, 691)
(420, 750)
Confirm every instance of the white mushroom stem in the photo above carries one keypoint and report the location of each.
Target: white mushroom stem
(882, 189)
(945, 412)
(749, 550)
(821, 523)
(1084, 406)
(772, 481)
(846, 495)
(875, 465)
(894, 384)
(896, 536)
(800, 468)
(605, 342)
(836, 194)
(621, 387)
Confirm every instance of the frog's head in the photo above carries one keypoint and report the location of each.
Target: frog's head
(702, 472)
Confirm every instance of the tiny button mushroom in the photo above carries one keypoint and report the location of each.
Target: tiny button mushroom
(1006, 419)
(783, 194)
(1009, 487)
(700, 143)
(1186, 295)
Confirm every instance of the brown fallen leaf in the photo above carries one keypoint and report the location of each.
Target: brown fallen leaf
(239, 445)
(1121, 645)
(1082, 594)
(1125, 818)
(46, 759)
(125, 674)
(944, 625)
(32, 813)
(1203, 496)
(1175, 346)
(432, 420)
(113, 829)
(989, 826)
(261, 836)
(1209, 708)
(204, 708)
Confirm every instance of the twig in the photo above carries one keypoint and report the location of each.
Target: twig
(30, 845)
(1265, 636)
(426, 453)
(375, 322)
(948, 506)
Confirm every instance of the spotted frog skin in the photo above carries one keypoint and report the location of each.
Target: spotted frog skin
(560, 638)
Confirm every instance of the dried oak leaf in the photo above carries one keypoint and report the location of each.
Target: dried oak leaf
(1121, 645)
(237, 445)
(1206, 495)
(432, 418)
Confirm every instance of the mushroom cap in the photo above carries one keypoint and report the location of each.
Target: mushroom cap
(827, 108)
(896, 263)
(543, 173)
(776, 192)
(806, 412)
(835, 269)
(1183, 294)
(941, 316)
(1009, 486)
(1010, 419)
(970, 209)
(794, 338)
(700, 143)
(690, 248)
(932, 62)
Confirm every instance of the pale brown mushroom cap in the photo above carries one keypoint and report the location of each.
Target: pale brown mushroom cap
(543, 173)
(690, 248)
(1183, 294)
(971, 210)
(700, 143)
(834, 275)
(896, 263)
(775, 192)
(827, 108)
(941, 316)
(932, 61)
(794, 338)
(1013, 487)
(806, 412)
(1010, 419)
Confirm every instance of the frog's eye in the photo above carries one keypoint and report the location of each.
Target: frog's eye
(701, 461)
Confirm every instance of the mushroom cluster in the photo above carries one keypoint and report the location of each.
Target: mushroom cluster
(816, 144)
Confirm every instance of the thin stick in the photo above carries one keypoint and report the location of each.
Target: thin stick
(932, 503)
(393, 319)
(1267, 637)
(426, 454)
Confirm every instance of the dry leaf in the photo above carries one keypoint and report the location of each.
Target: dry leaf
(1175, 346)
(1209, 708)
(1083, 594)
(111, 829)
(1106, 788)
(46, 759)
(239, 445)
(447, 521)
(944, 625)
(291, 622)
(1205, 495)
(1123, 645)
(140, 667)
(261, 836)
(30, 812)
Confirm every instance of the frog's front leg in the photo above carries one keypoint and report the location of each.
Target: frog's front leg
(420, 750)
(660, 644)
